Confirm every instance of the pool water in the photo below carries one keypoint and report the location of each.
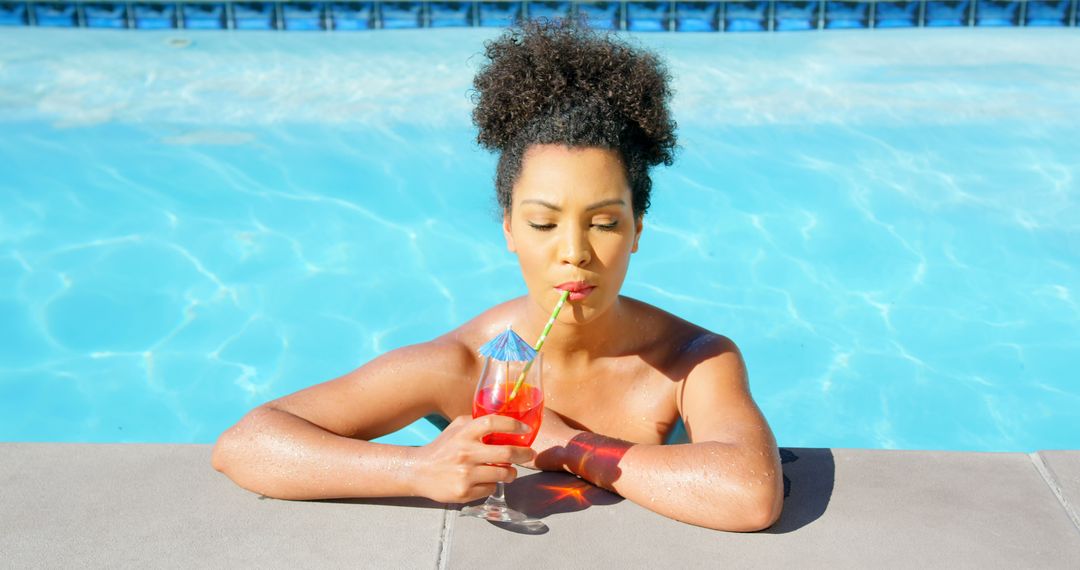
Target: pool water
(191, 224)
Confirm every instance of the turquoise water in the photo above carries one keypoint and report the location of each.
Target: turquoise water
(191, 224)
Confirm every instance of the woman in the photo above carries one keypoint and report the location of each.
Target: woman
(578, 120)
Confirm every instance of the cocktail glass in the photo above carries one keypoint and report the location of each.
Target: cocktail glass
(493, 396)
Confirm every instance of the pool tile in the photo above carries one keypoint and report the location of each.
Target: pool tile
(949, 13)
(352, 15)
(254, 16)
(498, 14)
(697, 16)
(796, 16)
(997, 13)
(147, 16)
(548, 10)
(208, 16)
(450, 14)
(1047, 13)
(303, 16)
(847, 15)
(401, 15)
(896, 14)
(105, 15)
(746, 16)
(55, 15)
(648, 16)
(601, 15)
(13, 14)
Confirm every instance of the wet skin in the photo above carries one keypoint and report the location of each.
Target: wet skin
(618, 375)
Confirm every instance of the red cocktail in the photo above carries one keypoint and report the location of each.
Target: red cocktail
(526, 407)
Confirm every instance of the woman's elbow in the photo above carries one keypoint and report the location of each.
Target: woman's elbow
(223, 455)
(219, 456)
(761, 518)
(763, 510)
(756, 511)
(230, 444)
(228, 458)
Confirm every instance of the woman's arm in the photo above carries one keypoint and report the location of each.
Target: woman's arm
(728, 478)
(312, 444)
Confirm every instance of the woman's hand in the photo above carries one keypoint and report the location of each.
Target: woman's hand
(551, 442)
(459, 467)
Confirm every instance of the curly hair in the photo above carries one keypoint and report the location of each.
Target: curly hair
(558, 82)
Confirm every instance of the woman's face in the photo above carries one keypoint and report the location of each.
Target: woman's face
(571, 223)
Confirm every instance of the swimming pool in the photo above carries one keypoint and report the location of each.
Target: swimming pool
(194, 223)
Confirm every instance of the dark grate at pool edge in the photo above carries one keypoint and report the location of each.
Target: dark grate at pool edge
(638, 16)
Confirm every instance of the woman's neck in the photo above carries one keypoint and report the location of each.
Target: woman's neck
(606, 334)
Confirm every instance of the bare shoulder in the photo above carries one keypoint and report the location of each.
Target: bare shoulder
(457, 351)
(486, 325)
(680, 345)
(711, 388)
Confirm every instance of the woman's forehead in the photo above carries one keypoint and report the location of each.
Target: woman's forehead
(557, 174)
(578, 155)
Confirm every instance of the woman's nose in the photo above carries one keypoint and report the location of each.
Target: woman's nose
(575, 249)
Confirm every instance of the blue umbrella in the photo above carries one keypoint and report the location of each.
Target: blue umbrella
(508, 347)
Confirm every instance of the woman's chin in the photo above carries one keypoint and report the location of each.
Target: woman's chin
(579, 313)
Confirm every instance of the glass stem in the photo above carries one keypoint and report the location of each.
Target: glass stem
(497, 498)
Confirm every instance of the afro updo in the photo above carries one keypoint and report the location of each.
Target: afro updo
(558, 82)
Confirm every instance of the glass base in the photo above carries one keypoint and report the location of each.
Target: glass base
(497, 511)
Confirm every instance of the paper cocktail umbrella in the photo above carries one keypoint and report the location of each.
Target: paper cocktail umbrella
(508, 347)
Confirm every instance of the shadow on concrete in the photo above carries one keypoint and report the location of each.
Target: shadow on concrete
(534, 526)
(809, 476)
(547, 492)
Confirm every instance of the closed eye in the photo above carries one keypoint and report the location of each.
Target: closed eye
(548, 227)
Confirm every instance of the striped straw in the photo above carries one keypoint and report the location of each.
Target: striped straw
(539, 344)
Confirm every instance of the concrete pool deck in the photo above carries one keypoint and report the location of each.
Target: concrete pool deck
(135, 505)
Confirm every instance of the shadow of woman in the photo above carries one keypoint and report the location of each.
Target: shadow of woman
(545, 493)
(809, 476)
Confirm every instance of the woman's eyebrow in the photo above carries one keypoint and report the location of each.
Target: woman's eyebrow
(547, 205)
(603, 203)
(600, 204)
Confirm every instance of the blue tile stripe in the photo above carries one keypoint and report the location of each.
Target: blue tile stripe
(632, 15)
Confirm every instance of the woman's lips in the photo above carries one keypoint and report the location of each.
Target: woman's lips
(578, 289)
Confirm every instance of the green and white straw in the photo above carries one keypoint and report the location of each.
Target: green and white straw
(539, 344)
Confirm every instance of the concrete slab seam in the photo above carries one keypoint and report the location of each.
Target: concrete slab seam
(1051, 481)
(444, 537)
